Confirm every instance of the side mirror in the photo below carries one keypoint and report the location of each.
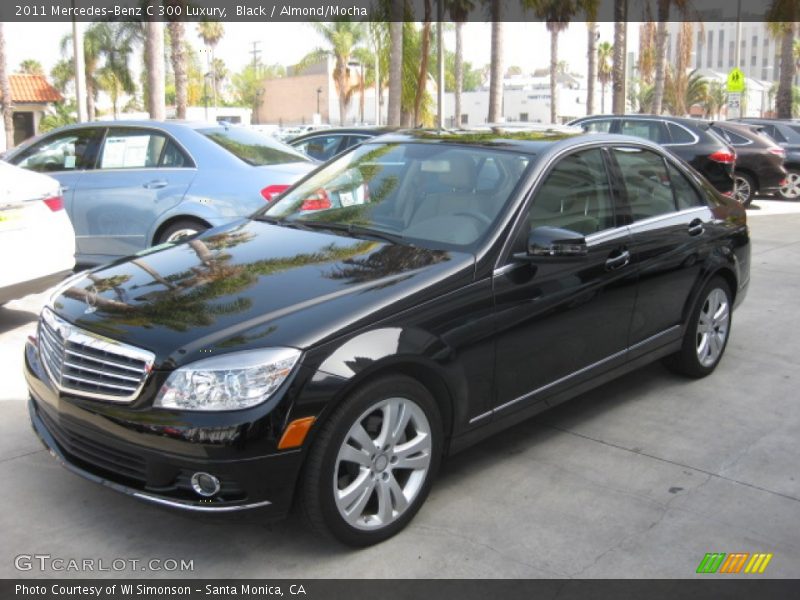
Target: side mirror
(548, 241)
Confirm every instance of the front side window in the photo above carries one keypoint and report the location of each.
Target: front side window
(576, 195)
(68, 151)
(599, 126)
(426, 194)
(647, 185)
(686, 195)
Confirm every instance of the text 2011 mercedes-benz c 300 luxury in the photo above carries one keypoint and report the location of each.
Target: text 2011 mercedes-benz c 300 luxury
(398, 304)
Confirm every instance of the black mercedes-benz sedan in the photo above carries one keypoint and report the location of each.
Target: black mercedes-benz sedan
(333, 355)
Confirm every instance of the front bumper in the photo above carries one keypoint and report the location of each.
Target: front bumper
(135, 462)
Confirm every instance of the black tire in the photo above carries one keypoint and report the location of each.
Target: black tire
(182, 225)
(687, 360)
(321, 476)
(750, 183)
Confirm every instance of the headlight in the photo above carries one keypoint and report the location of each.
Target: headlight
(228, 382)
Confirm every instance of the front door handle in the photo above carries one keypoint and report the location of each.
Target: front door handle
(618, 259)
(156, 184)
(696, 227)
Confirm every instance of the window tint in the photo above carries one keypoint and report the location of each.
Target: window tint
(686, 195)
(734, 138)
(321, 147)
(649, 130)
(131, 149)
(603, 126)
(575, 196)
(253, 147)
(354, 140)
(69, 151)
(173, 157)
(647, 184)
(679, 135)
(773, 132)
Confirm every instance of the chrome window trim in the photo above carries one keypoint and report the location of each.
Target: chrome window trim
(569, 376)
(71, 333)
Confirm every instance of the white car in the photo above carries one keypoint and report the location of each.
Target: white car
(37, 242)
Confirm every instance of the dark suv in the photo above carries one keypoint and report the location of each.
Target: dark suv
(688, 139)
(787, 135)
(333, 356)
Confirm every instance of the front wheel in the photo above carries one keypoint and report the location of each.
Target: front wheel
(707, 332)
(791, 188)
(373, 462)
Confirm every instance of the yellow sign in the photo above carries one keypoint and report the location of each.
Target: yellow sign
(736, 81)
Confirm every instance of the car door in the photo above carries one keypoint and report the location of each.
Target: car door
(563, 319)
(66, 156)
(669, 225)
(140, 173)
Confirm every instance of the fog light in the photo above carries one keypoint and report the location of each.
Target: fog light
(205, 484)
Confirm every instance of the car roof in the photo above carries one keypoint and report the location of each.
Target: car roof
(344, 130)
(529, 141)
(638, 116)
(168, 125)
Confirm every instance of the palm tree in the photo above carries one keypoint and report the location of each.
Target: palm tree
(557, 15)
(783, 15)
(620, 46)
(422, 73)
(5, 93)
(154, 51)
(211, 33)
(496, 69)
(177, 35)
(394, 109)
(459, 11)
(30, 66)
(605, 52)
(91, 58)
(661, 47)
(342, 39)
(715, 99)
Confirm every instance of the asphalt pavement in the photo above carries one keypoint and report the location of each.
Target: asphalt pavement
(639, 478)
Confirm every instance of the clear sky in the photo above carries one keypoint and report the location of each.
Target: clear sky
(527, 45)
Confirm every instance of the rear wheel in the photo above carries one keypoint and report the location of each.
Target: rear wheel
(707, 332)
(373, 462)
(791, 189)
(744, 189)
(180, 229)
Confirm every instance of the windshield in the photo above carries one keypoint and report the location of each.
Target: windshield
(427, 194)
(253, 147)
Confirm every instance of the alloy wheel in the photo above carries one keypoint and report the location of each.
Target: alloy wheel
(382, 463)
(713, 325)
(742, 190)
(791, 189)
(180, 234)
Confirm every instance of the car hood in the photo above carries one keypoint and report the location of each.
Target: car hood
(252, 284)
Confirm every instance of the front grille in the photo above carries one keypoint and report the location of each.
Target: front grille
(86, 364)
(89, 450)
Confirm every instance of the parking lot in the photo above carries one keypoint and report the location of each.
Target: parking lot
(638, 478)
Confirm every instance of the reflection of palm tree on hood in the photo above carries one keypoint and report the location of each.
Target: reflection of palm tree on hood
(387, 261)
(189, 299)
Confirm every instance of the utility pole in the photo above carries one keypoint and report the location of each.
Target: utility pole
(80, 68)
(440, 57)
(256, 52)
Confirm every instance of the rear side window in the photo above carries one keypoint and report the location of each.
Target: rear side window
(773, 132)
(576, 196)
(679, 135)
(603, 126)
(732, 138)
(647, 185)
(686, 195)
(649, 130)
(321, 147)
(131, 149)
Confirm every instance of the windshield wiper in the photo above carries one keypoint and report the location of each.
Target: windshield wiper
(355, 231)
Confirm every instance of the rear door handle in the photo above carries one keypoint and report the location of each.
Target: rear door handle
(619, 259)
(696, 227)
(156, 184)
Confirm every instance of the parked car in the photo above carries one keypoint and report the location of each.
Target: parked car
(787, 135)
(37, 243)
(343, 352)
(688, 139)
(325, 144)
(759, 160)
(131, 184)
